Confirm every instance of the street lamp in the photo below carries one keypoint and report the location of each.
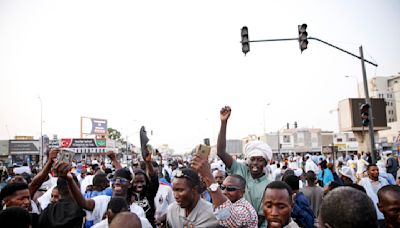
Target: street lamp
(41, 133)
(358, 90)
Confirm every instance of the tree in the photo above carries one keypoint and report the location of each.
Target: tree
(114, 134)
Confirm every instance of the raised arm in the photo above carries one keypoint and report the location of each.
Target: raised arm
(38, 180)
(151, 172)
(221, 144)
(114, 161)
(149, 165)
(203, 168)
(63, 170)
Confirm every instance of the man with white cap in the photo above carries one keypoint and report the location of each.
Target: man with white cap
(257, 154)
(347, 175)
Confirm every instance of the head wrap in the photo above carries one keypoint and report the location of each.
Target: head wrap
(257, 148)
(347, 172)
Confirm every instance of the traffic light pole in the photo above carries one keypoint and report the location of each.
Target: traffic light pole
(286, 39)
(368, 101)
(358, 57)
(314, 38)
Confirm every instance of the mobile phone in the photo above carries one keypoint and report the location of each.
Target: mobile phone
(203, 151)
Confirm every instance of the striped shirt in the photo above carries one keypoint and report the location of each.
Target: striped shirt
(238, 214)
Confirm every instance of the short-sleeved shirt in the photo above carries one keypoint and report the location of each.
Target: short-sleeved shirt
(314, 195)
(254, 187)
(100, 208)
(202, 216)
(163, 199)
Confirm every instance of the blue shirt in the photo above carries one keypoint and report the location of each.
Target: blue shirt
(327, 178)
(302, 212)
(91, 194)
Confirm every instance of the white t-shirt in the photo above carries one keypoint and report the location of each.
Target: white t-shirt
(102, 224)
(273, 167)
(310, 165)
(352, 164)
(361, 165)
(163, 199)
(100, 208)
(275, 173)
(44, 199)
(88, 180)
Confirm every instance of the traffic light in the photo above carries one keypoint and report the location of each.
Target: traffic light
(287, 125)
(303, 42)
(245, 40)
(295, 124)
(364, 110)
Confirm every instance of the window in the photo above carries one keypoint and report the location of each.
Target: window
(339, 140)
(286, 139)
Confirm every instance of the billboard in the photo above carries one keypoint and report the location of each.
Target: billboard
(83, 143)
(24, 147)
(4, 147)
(93, 126)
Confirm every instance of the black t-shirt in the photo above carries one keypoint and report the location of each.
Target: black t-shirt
(63, 214)
(146, 199)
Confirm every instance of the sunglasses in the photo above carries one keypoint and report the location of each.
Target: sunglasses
(121, 180)
(229, 188)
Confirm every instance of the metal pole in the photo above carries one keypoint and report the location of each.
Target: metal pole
(279, 145)
(359, 57)
(368, 101)
(81, 127)
(41, 134)
(127, 147)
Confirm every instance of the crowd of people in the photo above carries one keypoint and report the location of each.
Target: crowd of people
(257, 191)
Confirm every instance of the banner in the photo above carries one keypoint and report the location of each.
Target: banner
(99, 126)
(24, 146)
(94, 126)
(83, 143)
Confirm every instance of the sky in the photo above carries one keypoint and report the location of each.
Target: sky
(172, 65)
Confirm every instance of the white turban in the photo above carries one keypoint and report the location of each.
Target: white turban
(257, 148)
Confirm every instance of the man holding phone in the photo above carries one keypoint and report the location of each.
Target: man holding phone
(231, 209)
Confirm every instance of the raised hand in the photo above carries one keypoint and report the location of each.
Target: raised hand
(111, 155)
(225, 113)
(53, 154)
(201, 166)
(62, 169)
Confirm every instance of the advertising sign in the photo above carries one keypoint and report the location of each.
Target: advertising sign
(24, 147)
(83, 143)
(94, 126)
(99, 126)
